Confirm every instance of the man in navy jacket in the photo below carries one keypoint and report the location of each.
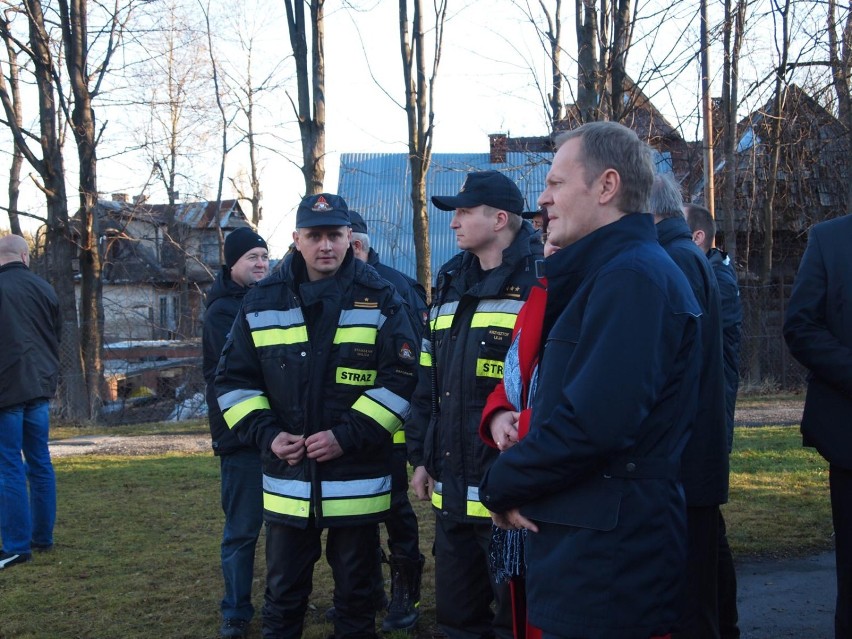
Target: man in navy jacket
(597, 479)
(246, 263)
(818, 330)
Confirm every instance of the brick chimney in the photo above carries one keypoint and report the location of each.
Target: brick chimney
(499, 143)
(119, 197)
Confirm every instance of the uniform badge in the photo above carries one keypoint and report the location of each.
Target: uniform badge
(406, 353)
(366, 302)
(321, 205)
(512, 291)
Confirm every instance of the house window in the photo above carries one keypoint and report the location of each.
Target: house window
(210, 248)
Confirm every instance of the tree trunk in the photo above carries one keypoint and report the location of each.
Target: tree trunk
(310, 89)
(840, 59)
(75, 37)
(734, 24)
(588, 72)
(17, 156)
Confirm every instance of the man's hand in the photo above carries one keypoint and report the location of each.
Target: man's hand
(422, 484)
(504, 428)
(512, 520)
(323, 446)
(289, 447)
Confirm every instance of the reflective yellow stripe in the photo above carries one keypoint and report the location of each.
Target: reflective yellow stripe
(234, 414)
(357, 334)
(286, 505)
(441, 322)
(355, 376)
(375, 411)
(489, 368)
(356, 506)
(278, 336)
(399, 437)
(476, 509)
(437, 499)
(503, 320)
(425, 359)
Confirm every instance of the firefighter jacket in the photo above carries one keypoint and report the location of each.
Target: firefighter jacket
(470, 329)
(338, 353)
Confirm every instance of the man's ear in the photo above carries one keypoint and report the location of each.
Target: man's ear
(698, 237)
(501, 219)
(296, 239)
(610, 185)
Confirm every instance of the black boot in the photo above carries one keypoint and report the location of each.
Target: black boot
(404, 608)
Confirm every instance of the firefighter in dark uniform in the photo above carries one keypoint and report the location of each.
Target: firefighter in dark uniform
(406, 562)
(317, 373)
(475, 302)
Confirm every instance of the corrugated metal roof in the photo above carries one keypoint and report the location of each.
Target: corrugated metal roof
(378, 186)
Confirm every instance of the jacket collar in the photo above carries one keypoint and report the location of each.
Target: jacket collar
(673, 228)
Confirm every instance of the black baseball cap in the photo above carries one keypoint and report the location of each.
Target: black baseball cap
(491, 188)
(528, 215)
(358, 223)
(323, 209)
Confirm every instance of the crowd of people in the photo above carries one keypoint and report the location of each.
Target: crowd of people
(566, 403)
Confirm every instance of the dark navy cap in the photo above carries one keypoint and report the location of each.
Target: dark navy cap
(323, 209)
(491, 188)
(358, 223)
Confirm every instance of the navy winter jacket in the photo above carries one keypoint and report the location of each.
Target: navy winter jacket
(599, 470)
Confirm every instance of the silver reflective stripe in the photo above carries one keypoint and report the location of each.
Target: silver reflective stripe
(355, 487)
(390, 400)
(448, 308)
(287, 487)
(426, 346)
(499, 306)
(360, 317)
(268, 319)
(438, 487)
(234, 397)
(473, 493)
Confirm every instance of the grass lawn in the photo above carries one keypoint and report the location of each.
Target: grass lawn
(137, 541)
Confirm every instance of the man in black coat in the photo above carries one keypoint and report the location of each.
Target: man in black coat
(246, 262)
(818, 330)
(703, 229)
(31, 325)
(704, 468)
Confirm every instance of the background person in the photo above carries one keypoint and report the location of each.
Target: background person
(31, 325)
(317, 373)
(704, 470)
(246, 263)
(596, 480)
(476, 299)
(703, 232)
(818, 330)
(406, 562)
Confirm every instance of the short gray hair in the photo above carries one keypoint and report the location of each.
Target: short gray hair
(364, 238)
(666, 199)
(609, 145)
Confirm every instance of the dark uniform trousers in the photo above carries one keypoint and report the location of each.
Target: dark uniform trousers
(461, 570)
(401, 524)
(840, 484)
(701, 615)
(290, 557)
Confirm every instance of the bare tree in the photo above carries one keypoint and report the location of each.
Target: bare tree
(733, 29)
(85, 82)
(249, 85)
(310, 105)
(420, 117)
(840, 59)
(782, 13)
(177, 132)
(17, 156)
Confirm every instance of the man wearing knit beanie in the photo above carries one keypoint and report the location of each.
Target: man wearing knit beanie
(246, 263)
